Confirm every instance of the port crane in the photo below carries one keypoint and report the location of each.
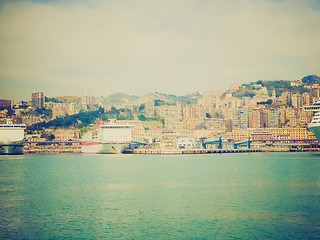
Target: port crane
(219, 142)
(243, 143)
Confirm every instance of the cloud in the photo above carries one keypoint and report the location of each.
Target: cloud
(140, 46)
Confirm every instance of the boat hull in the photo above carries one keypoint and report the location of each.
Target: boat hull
(103, 148)
(15, 148)
(316, 131)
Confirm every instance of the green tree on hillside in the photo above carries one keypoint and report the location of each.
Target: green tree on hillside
(311, 79)
(141, 107)
(142, 117)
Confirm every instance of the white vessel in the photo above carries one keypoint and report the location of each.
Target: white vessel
(314, 126)
(11, 138)
(313, 108)
(108, 138)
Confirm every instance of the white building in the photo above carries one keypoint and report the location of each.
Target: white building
(186, 143)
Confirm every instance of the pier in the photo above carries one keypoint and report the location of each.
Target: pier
(75, 147)
(52, 147)
(193, 151)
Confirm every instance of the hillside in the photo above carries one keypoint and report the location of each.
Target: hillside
(68, 99)
(311, 79)
(84, 119)
(119, 99)
(168, 98)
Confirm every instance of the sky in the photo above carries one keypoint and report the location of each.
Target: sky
(100, 47)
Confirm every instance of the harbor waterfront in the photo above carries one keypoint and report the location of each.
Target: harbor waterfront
(212, 196)
(75, 147)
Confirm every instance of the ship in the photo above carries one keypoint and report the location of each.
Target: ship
(314, 126)
(109, 138)
(11, 138)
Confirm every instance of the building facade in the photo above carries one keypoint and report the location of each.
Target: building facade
(240, 118)
(273, 118)
(37, 100)
(6, 103)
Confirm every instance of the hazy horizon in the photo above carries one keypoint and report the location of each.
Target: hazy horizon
(100, 47)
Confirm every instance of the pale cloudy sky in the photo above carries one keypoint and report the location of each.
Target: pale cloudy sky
(99, 47)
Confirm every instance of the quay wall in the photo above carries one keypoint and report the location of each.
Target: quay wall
(157, 151)
(75, 147)
(195, 151)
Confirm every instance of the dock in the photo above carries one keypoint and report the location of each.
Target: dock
(195, 151)
(75, 147)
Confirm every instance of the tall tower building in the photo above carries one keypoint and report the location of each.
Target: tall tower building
(240, 118)
(229, 125)
(88, 100)
(297, 100)
(37, 100)
(6, 103)
(273, 118)
(286, 98)
(256, 118)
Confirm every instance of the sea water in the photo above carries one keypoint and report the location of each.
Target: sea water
(212, 196)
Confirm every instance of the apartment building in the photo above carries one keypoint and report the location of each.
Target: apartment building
(297, 100)
(6, 103)
(138, 130)
(170, 112)
(88, 100)
(240, 118)
(256, 118)
(273, 118)
(37, 100)
(276, 133)
(175, 124)
(193, 112)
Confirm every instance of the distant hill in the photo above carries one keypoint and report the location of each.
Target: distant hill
(168, 98)
(75, 100)
(152, 97)
(190, 98)
(280, 86)
(119, 99)
(79, 120)
(83, 119)
(68, 99)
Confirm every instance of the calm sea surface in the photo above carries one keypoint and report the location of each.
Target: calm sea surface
(216, 196)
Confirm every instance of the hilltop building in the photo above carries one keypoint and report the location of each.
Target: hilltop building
(234, 87)
(88, 100)
(150, 109)
(6, 103)
(37, 100)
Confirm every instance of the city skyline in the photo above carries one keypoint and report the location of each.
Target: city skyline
(99, 48)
